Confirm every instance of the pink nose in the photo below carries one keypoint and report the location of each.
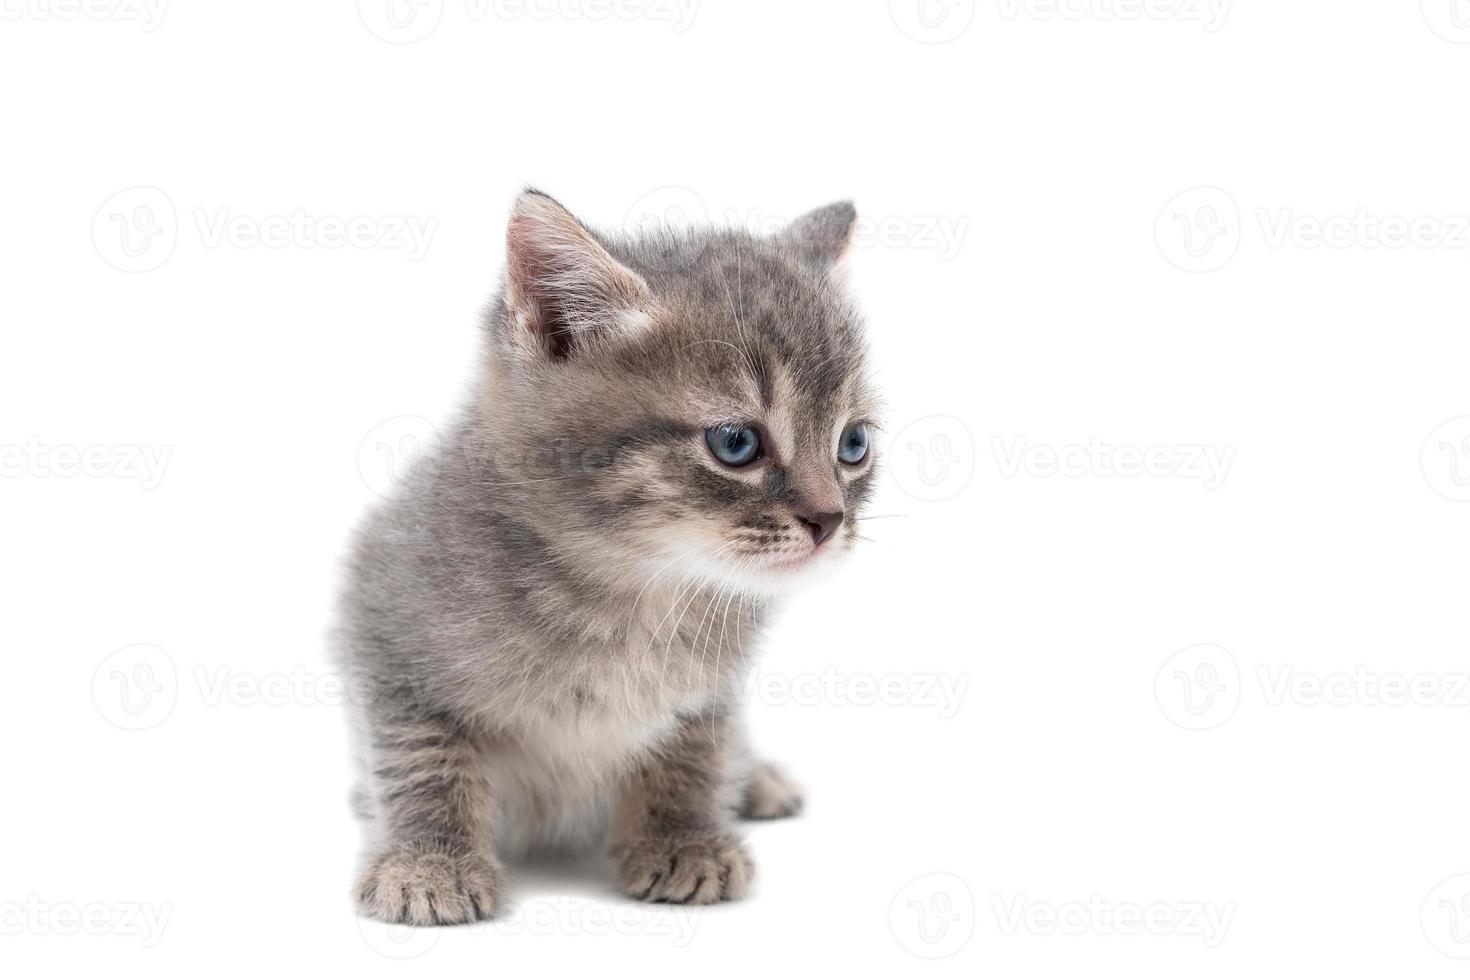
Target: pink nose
(822, 526)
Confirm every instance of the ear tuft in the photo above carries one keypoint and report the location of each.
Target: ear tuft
(824, 235)
(562, 286)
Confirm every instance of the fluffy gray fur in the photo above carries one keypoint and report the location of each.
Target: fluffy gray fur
(553, 616)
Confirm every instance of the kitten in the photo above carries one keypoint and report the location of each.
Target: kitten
(554, 614)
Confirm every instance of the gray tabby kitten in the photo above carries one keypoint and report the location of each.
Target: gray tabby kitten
(554, 615)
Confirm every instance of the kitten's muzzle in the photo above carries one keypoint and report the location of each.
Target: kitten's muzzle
(822, 526)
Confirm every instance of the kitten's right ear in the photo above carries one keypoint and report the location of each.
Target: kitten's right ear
(823, 236)
(562, 287)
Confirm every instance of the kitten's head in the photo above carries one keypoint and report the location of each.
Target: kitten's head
(681, 406)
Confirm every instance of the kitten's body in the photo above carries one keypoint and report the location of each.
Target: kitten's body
(553, 617)
(566, 683)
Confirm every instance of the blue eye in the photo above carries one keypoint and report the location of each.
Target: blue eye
(733, 445)
(854, 444)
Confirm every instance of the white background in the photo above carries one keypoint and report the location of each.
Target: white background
(1101, 225)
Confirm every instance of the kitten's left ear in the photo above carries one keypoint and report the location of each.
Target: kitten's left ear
(823, 236)
(563, 288)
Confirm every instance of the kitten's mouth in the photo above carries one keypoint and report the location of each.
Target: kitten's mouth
(790, 563)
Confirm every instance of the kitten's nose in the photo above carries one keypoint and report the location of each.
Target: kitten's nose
(822, 526)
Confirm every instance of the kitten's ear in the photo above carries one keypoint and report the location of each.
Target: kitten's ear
(562, 288)
(823, 236)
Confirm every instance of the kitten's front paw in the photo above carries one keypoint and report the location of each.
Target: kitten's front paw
(429, 888)
(686, 870)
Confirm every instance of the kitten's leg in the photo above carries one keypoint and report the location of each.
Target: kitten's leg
(434, 864)
(671, 839)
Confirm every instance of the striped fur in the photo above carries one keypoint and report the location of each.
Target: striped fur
(553, 616)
